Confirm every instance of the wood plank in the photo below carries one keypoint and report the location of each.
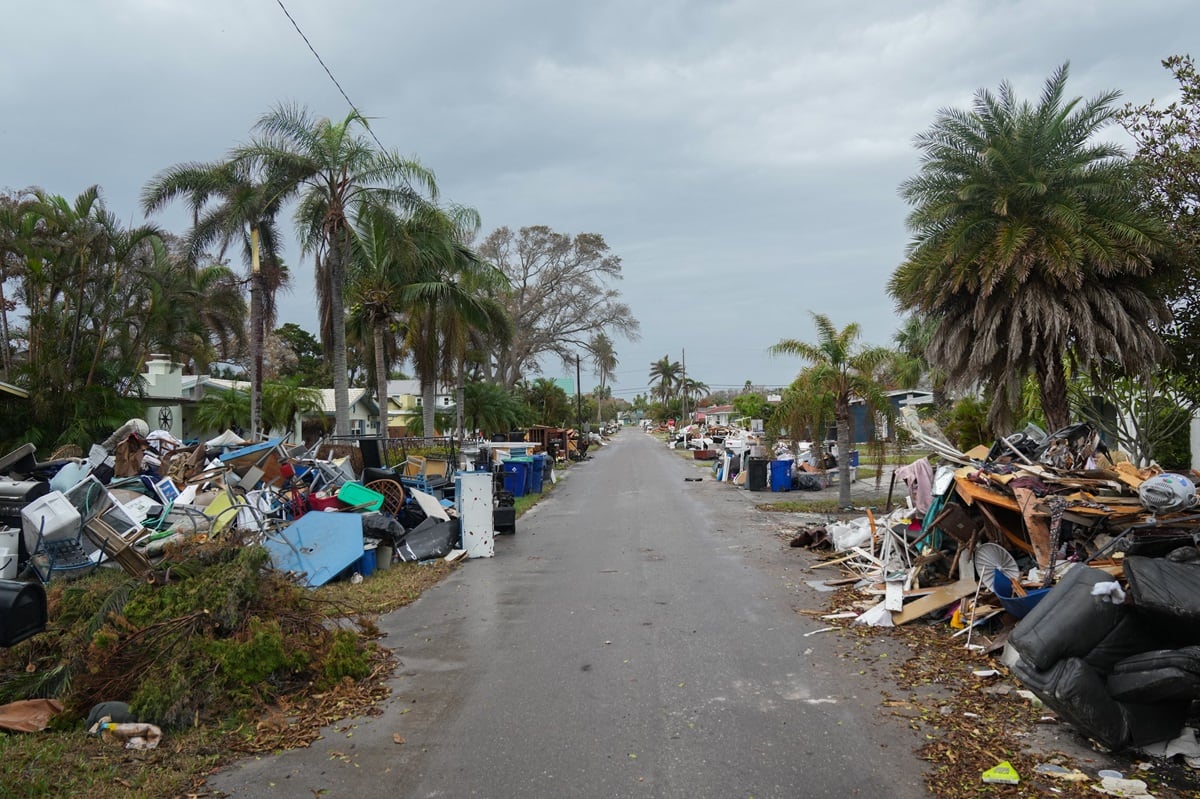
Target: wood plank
(973, 492)
(1037, 526)
(943, 595)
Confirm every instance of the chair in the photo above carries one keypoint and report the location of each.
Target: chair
(393, 494)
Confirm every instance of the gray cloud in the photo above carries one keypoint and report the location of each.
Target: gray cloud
(741, 157)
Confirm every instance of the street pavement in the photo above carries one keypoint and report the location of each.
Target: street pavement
(636, 637)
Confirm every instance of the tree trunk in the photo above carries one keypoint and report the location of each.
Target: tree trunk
(428, 400)
(256, 336)
(341, 383)
(843, 459)
(1052, 381)
(381, 376)
(4, 331)
(460, 399)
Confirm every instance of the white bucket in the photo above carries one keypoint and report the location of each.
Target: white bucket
(8, 564)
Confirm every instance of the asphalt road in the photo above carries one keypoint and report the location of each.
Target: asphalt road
(637, 637)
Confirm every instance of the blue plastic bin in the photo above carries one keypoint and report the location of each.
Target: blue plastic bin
(538, 472)
(366, 564)
(516, 475)
(781, 475)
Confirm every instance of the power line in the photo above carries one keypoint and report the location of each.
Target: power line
(321, 61)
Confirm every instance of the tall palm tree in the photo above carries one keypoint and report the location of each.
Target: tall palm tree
(841, 370)
(604, 359)
(666, 373)
(229, 202)
(1029, 247)
(338, 173)
(381, 264)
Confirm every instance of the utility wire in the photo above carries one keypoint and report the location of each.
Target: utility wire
(321, 61)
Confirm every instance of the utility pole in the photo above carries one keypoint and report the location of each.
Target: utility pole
(578, 398)
(683, 407)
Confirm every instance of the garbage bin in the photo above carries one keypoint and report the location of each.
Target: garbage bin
(527, 461)
(516, 474)
(756, 477)
(854, 458)
(539, 472)
(781, 475)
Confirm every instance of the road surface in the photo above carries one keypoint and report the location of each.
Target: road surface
(637, 637)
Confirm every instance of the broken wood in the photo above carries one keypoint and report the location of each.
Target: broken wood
(942, 595)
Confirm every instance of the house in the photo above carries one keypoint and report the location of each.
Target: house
(405, 403)
(862, 424)
(716, 415)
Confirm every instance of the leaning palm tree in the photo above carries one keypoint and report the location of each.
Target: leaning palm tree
(338, 174)
(230, 202)
(604, 358)
(1029, 247)
(841, 370)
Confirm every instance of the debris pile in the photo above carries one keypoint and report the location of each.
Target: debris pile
(1080, 567)
(139, 492)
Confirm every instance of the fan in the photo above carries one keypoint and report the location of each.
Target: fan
(991, 558)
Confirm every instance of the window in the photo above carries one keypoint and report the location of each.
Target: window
(445, 401)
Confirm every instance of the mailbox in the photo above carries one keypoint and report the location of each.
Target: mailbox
(22, 611)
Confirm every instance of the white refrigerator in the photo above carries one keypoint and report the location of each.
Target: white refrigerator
(473, 501)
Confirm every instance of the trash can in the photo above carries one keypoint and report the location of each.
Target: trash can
(781, 475)
(539, 472)
(756, 477)
(516, 474)
(854, 458)
(527, 460)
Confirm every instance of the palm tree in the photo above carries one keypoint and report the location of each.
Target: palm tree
(841, 370)
(229, 201)
(220, 410)
(667, 374)
(1029, 247)
(604, 358)
(381, 264)
(692, 388)
(16, 231)
(286, 401)
(338, 174)
(445, 299)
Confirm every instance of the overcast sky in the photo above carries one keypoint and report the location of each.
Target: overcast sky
(742, 158)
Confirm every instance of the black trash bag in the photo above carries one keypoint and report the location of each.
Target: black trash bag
(430, 539)
(410, 516)
(383, 527)
(1164, 675)
(808, 481)
(1068, 622)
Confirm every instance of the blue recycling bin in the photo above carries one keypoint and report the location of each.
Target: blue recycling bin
(854, 458)
(516, 475)
(781, 475)
(538, 472)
